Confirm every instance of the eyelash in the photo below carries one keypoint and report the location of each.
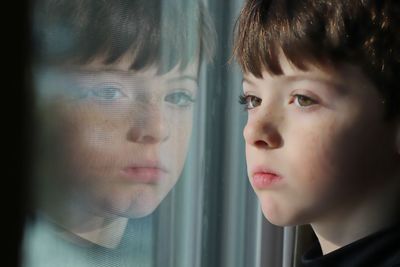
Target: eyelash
(297, 97)
(104, 93)
(186, 96)
(242, 99)
(245, 100)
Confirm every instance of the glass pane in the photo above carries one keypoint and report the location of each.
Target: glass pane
(116, 86)
(139, 154)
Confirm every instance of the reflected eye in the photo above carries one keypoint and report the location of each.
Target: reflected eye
(180, 99)
(106, 92)
(304, 101)
(249, 101)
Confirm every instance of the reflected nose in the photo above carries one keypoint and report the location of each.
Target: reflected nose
(262, 133)
(148, 126)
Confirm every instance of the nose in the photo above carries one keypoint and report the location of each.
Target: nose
(262, 133)
(148, 126)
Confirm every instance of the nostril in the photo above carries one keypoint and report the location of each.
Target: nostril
(148, 139)
(262, 135)
(149, 133)
(260, 144)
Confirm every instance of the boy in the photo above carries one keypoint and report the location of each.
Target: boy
(323, 130)
(115, 84)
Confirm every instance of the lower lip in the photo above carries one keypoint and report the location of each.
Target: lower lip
(143, 175)
(265, 180)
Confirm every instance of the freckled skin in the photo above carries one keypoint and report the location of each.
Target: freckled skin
(332, 157)
(95, 141)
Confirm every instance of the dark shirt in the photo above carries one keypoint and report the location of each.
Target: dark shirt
(381, 249)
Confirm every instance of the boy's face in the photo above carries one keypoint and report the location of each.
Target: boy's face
(123, 135)
(316, 142)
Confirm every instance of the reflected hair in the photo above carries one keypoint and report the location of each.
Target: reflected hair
(153, 32)
(325, 33)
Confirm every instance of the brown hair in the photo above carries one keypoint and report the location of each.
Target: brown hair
(326, 33)
(156, 32)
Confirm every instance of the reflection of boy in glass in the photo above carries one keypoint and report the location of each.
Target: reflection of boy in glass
(323, 130)
(116, 83)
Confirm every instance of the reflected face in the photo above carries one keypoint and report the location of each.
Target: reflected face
(316, 142)
(123, 135)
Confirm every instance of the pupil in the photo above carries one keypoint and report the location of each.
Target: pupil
(255, 101)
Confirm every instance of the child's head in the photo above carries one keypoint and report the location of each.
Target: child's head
(322, 137)
(156, 33)
(116, 82)
(323, 33)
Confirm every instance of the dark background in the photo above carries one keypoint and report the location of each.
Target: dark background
(16, 126)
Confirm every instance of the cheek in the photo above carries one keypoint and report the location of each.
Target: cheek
(250, 156)
(91, 142)
(336, 162)
(180, 129)
(314, 169)
(91, 127)
(312, 165)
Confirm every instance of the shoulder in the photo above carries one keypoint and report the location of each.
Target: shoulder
(381, 249)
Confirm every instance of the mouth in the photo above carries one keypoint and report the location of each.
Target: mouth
(263, 178)
(146, 172)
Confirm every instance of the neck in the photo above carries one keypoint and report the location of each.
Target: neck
(351, 223)
(108, 234)
(337, 233)
(83, 227)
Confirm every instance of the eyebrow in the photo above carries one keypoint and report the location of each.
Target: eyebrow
(298, 78)
(330, 83)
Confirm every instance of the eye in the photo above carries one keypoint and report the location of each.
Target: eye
(180, 99)
(304, 101)
(106, 92)
(249, 101)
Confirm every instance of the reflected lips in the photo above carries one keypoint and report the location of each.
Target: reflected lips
(264, 179)
(144, 174)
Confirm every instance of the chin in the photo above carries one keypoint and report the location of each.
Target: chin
(137, 205)
(143, 208)
(136, 211)
(278, 217)
(275, 220)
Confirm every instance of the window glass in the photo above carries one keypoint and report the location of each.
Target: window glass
(138, 150)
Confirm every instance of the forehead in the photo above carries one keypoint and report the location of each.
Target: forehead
(122, 67)
(339, 75)
(291, 72)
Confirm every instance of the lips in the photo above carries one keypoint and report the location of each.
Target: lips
(144, 172)
(264, 178)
